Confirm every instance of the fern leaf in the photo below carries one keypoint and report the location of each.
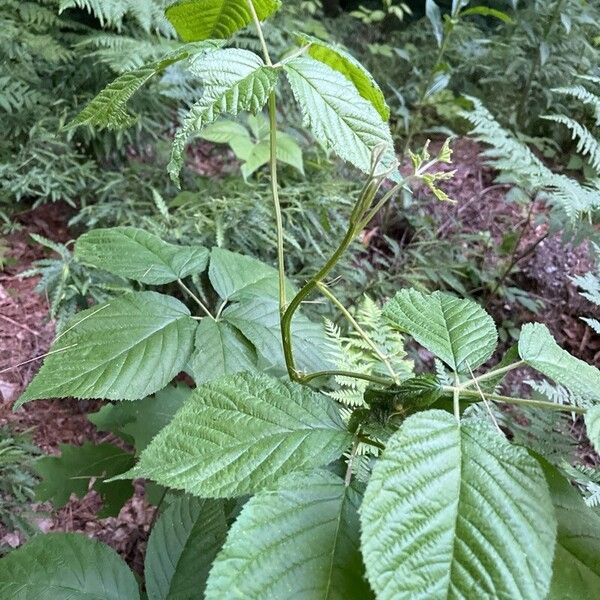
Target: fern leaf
(587, 144)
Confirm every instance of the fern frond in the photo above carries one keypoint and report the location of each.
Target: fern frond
(587, 144)
(583, 95)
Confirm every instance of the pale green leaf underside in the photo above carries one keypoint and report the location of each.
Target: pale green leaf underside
(137, 254)
(196, 20)
(258, 320)
(539, 350)
(109, 108)
(125, 349)
(238, 434)
(300, 540)
(455, 511)
(576, 568)
(459, 332)
(182, 546)
(61, 566)
(219, 350)
(342, 61)
(337, 115)
(592, 424)
(234, 81)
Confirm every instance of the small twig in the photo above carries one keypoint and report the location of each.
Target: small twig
(37, 358)
(20, 325)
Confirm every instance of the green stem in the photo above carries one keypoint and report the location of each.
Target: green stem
(517, 401)
(195, 298)
(491, 374)
(456, 398)
(348, 476)
(361, 332)
(259, 31)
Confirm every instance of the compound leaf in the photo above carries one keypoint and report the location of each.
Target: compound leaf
(219, 350)
(539, 350)
(299, 540)
(182, 547)
(196, 20)
(57, 566)
(459, 332)
(72, 472)
(241, 433)
(337, 115)
(576, 568)
(452, 510)
(125, 349)
(137, 254)
(343, 62)
(234, 81)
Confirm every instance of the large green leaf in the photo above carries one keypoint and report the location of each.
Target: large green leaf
(576, 566)
(258, 320)
(241, 433)
(125, 349)
(235, 276)
(137, 254)
(77, 466)
(196, 20)
(342, 61)
(138, 422)
(592, 423)
(234, 81)
(300, 540)
(337, 115)
(219, 350)
(457, 331)
(539, 350)
(182, 547)
(108, 108)
(454, 511)
(66, 566)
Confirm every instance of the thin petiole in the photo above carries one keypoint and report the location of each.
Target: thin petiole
(195, 298)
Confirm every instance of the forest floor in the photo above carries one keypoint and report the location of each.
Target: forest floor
(545, 272)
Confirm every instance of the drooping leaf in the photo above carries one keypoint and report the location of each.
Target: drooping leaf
(77, 467)
(454, 511)
(258, 320)
(299, 540)
(432, 10)
(182, 547)
(592, 423)
(137, 254)
(416, 393)
(486, 11)
(196, 20)
(234, 81)
(61, 566)
(459, 332)
(539, 350)
(138, 422)
(576, 568)
(241, 433)
(338, 116)
(342, 61)
(219, 350)
(125, 349)
(109, 108)
(234, 276)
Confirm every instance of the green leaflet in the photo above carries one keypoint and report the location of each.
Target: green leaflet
(235, 276)
(234, 81)
(459, 332)
(299, 540)
(592, 423)
(108, 108)
(138, 422)
(539, 350)
(182, 547)
(243, 432)
(343, 62)
(137, 254)
(57, 566)
(576, 568)
(124, 349)
(196, 20)
(219, 350)
(72, 471)
(337, 115)
(454, 511)
(258, 320)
